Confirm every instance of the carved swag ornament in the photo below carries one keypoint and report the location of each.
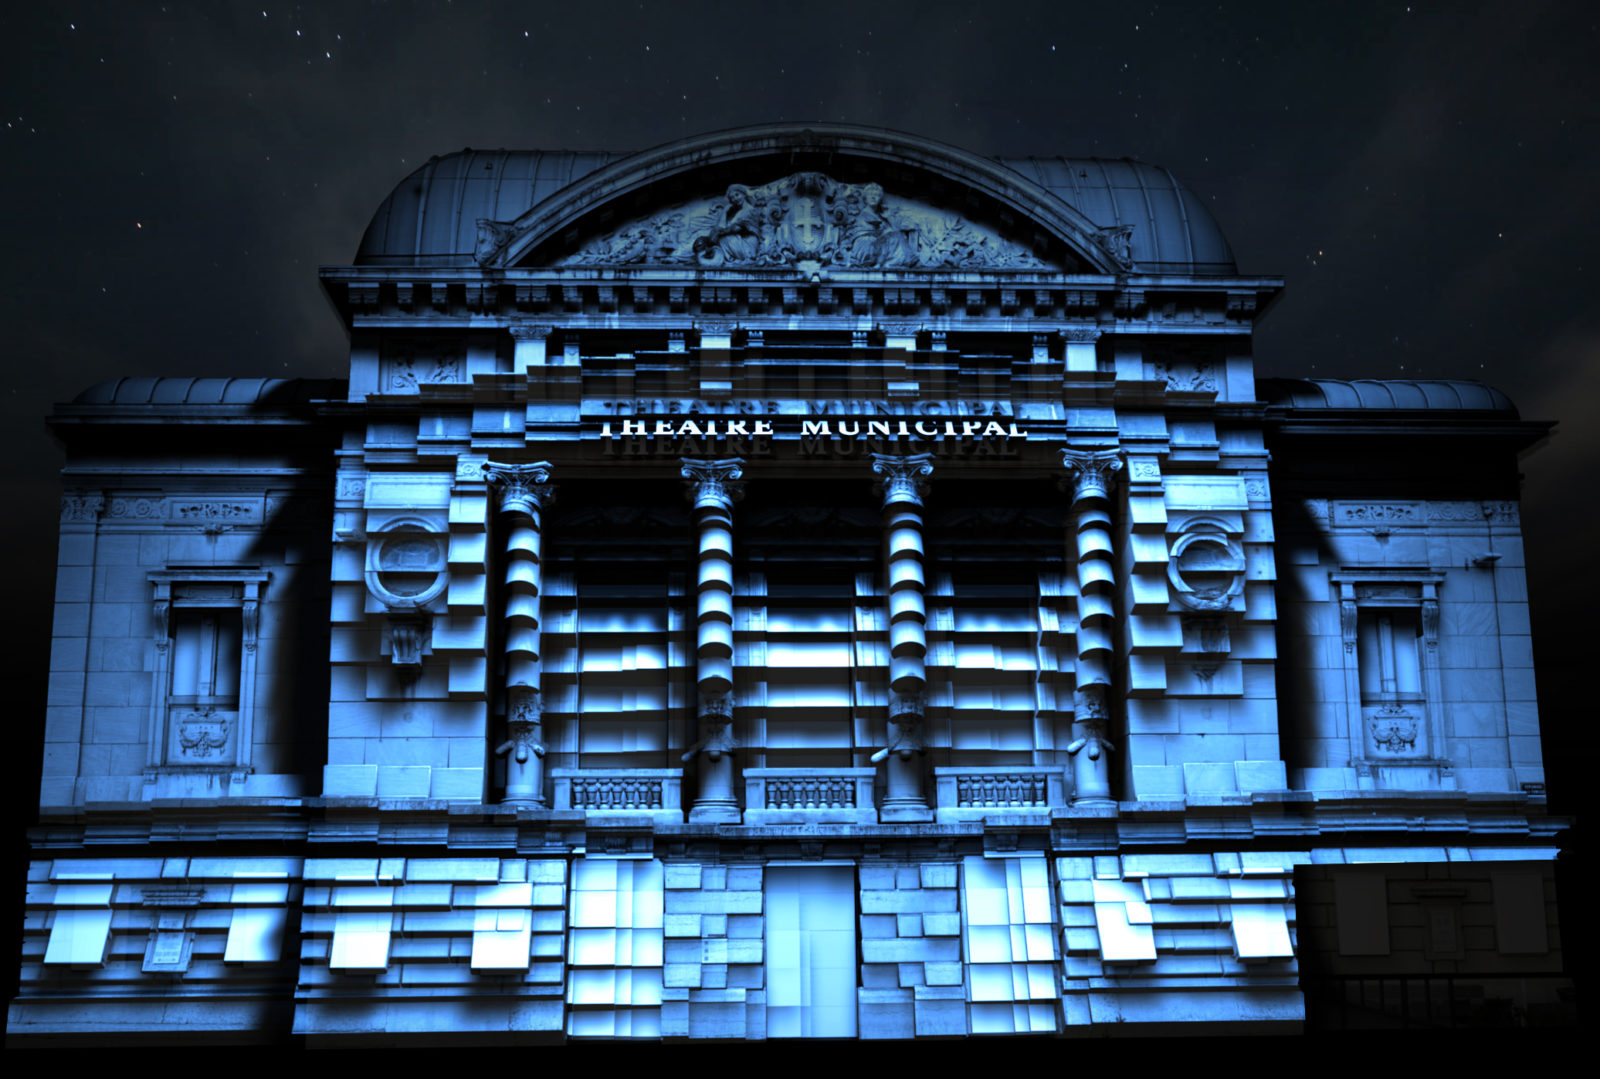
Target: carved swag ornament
(804, 217)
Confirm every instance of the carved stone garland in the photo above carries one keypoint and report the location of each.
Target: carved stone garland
(522, 497)
(1090, 472)
(903, 482)
(804, 219)
(713, 487)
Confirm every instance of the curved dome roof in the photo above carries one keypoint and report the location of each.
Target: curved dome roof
(431, 217)
(204, 391)
(1459, 395)
(1173, 232)
(433, 213)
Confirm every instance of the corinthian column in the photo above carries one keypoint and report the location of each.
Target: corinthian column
(713, 486)
(1090, 473)
(902, 482)
(522, 497)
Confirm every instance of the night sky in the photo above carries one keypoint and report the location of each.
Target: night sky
(1423, 175)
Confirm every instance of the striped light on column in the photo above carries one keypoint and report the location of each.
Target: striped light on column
(903, 480)
(522, 497)
(713, 486)
(1090, 473)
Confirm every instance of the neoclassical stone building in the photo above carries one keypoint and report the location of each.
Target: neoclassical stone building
(793, 582)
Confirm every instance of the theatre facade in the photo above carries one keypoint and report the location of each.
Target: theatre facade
(802, 581)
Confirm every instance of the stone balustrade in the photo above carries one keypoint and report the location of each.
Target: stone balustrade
(970, 793)
(798, 795)
(653, 791)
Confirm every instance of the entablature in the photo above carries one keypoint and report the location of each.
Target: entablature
(1496, 825)
(619, 297)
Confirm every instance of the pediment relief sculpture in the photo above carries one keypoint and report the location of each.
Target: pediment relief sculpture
(807, 217)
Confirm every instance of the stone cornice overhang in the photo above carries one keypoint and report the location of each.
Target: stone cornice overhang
(165, 415)
(1505, 430)
(1279, 820)
(451, 296)
(113, 438)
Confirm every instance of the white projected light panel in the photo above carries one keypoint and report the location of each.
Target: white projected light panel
(615, 948)
(1009, 945)
(255, 935)
(811, 952)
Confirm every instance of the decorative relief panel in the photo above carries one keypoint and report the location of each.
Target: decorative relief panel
(208, 511)
(1498, 512)
(1144, 470)
(201, 735)
(1390, 514)
(81, 507)
(1206, 567)
(137, 508)
(807, 217)
(410, 364)
(129, 509)
(1189, 376)
(406, 565)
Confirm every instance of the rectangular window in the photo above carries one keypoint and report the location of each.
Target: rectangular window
(1390, 671)
(206, 648)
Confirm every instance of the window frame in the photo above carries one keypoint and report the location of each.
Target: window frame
(205, 586)
(1367, 590)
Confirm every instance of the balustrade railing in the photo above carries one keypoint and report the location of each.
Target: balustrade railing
(969, 792)
(619, 790)
(809, 794)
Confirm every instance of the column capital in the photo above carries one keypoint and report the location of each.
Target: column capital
(1091, 471)
(902, 478)
(521, 487)
(530, 331)
(714, 484)
(1081, 334)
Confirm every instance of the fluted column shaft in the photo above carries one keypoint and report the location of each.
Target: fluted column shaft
(522, 498)
(902, 482)
(713, 487)
(1090, 473)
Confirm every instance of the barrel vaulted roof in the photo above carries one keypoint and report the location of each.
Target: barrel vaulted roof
(1458, 395)
(433, 216)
